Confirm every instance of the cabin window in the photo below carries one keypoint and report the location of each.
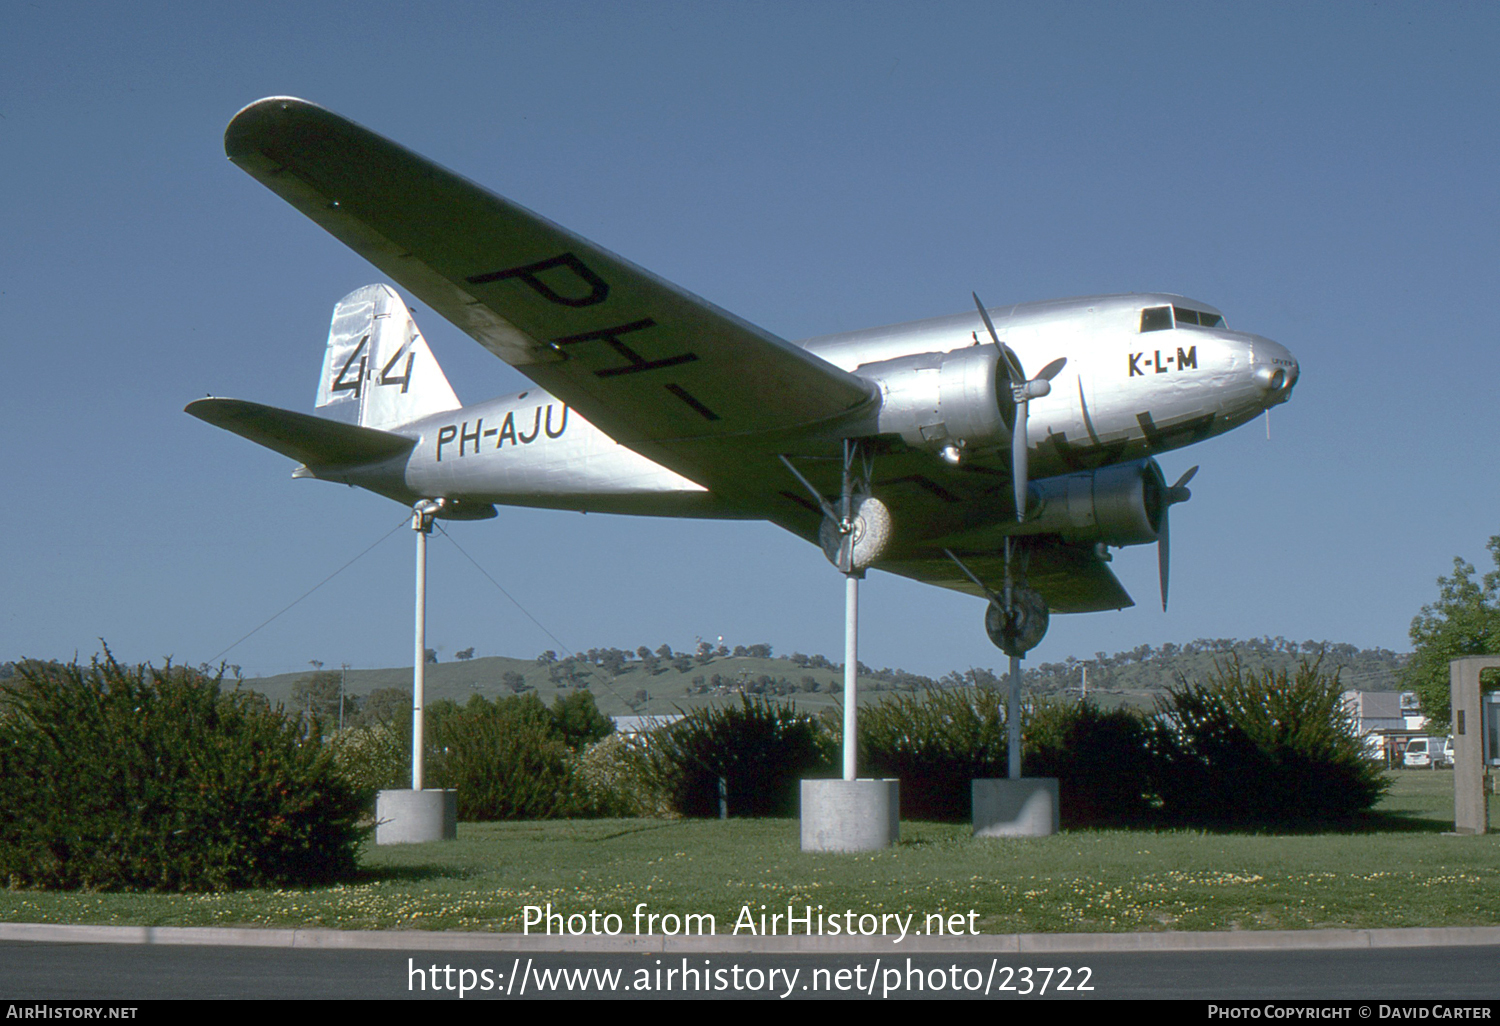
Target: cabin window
(1156, 318)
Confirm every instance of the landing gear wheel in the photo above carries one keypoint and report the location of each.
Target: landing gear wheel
(1017, 631)
(872, 532)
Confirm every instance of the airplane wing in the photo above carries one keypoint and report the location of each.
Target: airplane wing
(1070, 577)
(660, 370)
(657, 368)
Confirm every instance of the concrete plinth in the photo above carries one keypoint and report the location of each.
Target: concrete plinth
(1026, 807)
(411, 817)
(850, 815)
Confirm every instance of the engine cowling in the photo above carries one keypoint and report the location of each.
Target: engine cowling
(934, 400)
(1118, 505)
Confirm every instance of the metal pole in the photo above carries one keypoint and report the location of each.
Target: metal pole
(851, 672)
(420, 524)
(1013, 720)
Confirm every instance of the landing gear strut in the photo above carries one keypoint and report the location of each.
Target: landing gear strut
(1016, 621)
(850, 814)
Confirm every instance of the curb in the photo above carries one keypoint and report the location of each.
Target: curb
(1004, 943)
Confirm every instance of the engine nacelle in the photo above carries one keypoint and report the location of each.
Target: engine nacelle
(1118, 505)
(934, 400)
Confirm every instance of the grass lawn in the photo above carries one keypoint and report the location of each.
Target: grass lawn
(1396, 870)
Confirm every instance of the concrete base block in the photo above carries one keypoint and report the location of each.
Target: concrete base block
(411, 817)
(850, 815)
(1015, 808)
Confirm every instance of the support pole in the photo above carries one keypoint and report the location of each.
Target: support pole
(419, 656)
(1013, 720)
(421, 523)
(851, 673)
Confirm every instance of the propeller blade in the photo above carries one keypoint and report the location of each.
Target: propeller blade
(1022, 390)
(1054, 368)
(1164, 555)
(1018, 455)
(1179, 491)
(986, 315)
(1013, 365)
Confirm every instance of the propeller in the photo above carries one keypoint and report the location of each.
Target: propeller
(1022, 392)
(1177, 493)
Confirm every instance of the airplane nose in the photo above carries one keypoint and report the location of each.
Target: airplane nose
(1274, 370)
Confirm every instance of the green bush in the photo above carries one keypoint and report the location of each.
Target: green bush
(618, 778)
(939, 741)
(156, 779)
(761, 748)
(1099, 758)
(513, 758)
(1260, 749)
(509, 759)
(376, 757)
(936, 742)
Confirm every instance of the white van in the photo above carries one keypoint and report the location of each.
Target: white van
(1427, 753)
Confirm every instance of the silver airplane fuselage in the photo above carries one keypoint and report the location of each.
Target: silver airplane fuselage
(1125, 393)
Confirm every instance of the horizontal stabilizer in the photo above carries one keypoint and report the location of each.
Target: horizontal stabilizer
(313, 441)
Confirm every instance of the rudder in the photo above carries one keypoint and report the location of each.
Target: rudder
(377, 370)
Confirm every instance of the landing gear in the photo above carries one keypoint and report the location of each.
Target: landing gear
(853, 537)
(850, 814)
(1016, 620)
(1019, 627)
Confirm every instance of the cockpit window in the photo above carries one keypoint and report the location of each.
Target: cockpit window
(1156, 318)
(1159, 318)
(1202, 317)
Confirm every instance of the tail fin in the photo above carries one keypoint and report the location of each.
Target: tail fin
(377, 370)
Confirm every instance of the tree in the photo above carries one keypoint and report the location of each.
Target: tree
(1464, 621)
(464, 653)
(578, 720)
(318, 694)
(385, 705)
(514, 681)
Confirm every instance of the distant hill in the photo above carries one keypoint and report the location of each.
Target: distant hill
(624, 683)
(1144, 672)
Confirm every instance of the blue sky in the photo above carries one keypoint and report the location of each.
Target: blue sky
(1324, 173)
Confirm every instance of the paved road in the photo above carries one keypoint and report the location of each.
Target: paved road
(39, 971)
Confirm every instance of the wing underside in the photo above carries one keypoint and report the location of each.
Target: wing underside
(1070, 577)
